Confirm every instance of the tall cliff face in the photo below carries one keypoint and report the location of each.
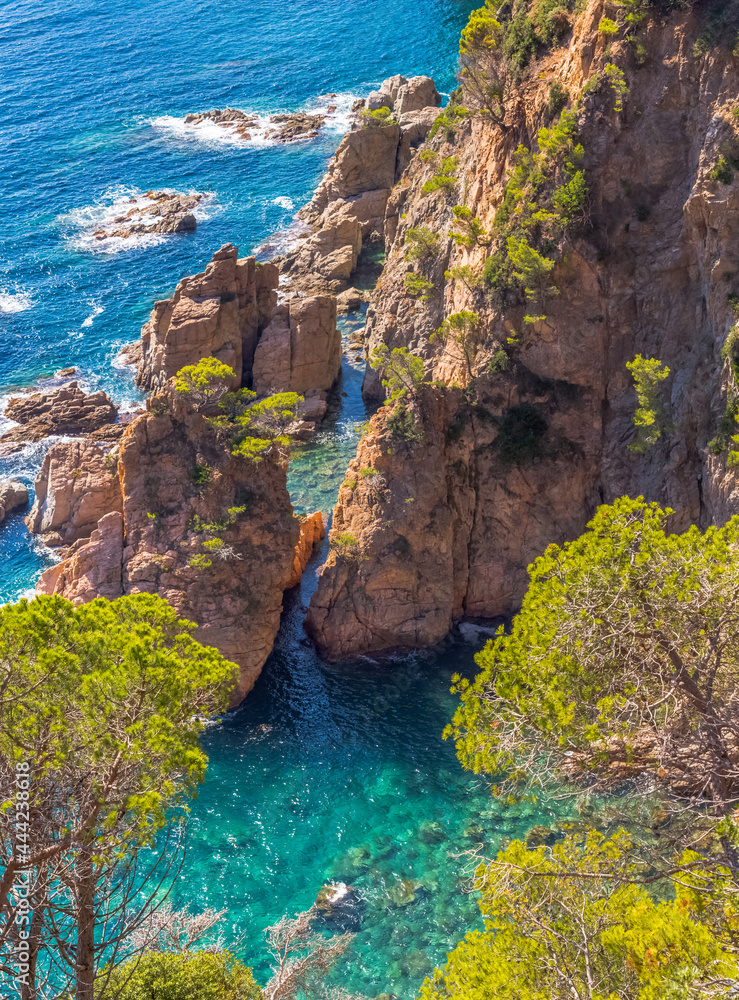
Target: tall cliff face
(212, 533)
(218, 313)
(523, 456)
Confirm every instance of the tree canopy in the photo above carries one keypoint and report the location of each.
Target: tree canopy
(104, 705)
(624, 657)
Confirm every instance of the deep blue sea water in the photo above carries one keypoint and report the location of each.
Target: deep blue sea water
(327, 772)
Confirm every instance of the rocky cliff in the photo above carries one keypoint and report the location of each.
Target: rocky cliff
(219, 313)
(467, 485)
(212, 533)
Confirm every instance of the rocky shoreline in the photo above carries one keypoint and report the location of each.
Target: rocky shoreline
(124, 503)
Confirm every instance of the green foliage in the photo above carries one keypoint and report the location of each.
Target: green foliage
(345, 545)
(499, 363)
(566, 921)
(447, 122)
(609, 623)
(728, 426)
(445, 178)
(402, 372)
(617, 80)
(368, 472)
(403, 424)
(521, 434)
(473, 234)
(196, 975)
(608, 27)
(543, 198)
(651, 417)
(558, 98)
(422, 245)
(722, 171)
(204, 383)
(257, 429)
(462, 335)
(201, 475)
(418, 287)
(467, 275)
(377, 118)
(200, 561)
(730, 351)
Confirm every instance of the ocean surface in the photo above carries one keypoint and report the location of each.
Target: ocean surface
(327, 772)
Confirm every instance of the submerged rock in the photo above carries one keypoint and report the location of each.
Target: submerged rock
(340, 907)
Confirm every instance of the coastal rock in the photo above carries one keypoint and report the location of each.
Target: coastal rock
(160, 212)
(414, 130)
(67, 410)
(93, 568)
(221, 553)
(218, 313)
(312, 531)
(13, 496)
(445, 527)
(439, 529)
(364, 161)
(326, 260)
(415, 94)
(300, 350)
(76, 486)
(281, 127)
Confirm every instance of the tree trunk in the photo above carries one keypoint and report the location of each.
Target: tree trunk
(85, 917)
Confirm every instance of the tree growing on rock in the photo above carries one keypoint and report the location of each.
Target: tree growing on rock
(402, 372)
(651, 416)
(484, 70)
(101, 710)
(204, 383)
(461, 335)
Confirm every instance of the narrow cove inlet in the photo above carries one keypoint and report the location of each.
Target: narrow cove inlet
(369, 500)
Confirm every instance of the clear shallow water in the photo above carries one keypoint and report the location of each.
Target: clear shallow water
(327, 772)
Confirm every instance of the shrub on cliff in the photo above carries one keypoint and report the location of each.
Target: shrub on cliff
(651, 416)
(445, 178)
(377, 118)
(461, 335)
(402, 373)
(257, 429)
(204, 383)
(197, 975)
(100, 723)
(421, 245)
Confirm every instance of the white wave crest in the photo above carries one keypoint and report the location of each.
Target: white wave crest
(284, 202)
(14, 302)
(93, 315)
(335, 107)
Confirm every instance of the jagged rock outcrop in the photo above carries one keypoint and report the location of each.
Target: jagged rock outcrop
(349, 204)
(218, 313)
(212, 533)
(76, 486)
(13, 496)
(281, 128)
(544, 435)
(300, 350)
(312, 531)
(155, 212)
(67, 410)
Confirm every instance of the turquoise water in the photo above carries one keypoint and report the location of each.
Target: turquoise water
(327, 772)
